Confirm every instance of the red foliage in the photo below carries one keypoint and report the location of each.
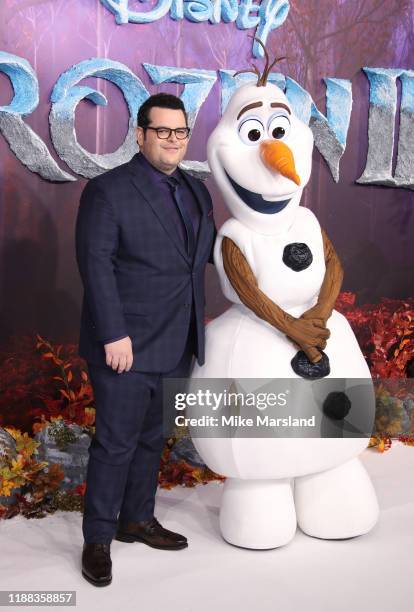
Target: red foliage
(180, 472)
(80, 489)
(38, 379)
(385, 333)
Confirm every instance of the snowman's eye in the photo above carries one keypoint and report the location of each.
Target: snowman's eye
(251, 131)
(279, 127)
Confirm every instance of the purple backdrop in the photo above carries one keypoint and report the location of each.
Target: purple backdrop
(370, 226)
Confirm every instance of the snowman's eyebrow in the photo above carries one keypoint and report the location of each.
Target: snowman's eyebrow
(280, 105)
(248, 107)
(258, 104)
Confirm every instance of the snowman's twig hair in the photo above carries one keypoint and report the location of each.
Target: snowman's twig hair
(261, 78)
(255, 70)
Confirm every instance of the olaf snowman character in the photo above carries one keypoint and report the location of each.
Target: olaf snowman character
(281, 273)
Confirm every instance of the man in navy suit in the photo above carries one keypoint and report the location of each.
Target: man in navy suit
(144, 234)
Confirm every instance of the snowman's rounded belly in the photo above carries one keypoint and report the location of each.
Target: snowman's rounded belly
(239, 345)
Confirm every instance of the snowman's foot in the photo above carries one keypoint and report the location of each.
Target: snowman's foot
(338, 503)
(257, 514)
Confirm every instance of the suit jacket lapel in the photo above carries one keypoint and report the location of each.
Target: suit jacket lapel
(151, 195)
(204, 208)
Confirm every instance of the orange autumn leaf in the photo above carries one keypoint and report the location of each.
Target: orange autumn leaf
(36, 427)
(89, 418)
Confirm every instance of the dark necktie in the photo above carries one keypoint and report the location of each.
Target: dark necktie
(189, 229)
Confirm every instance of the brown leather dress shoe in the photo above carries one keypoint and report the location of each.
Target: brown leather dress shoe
(151, 533)
(97, 564)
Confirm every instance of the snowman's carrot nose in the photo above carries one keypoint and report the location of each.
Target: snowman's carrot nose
(278, 156)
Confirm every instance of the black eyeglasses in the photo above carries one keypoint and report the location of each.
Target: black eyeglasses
(164, 133)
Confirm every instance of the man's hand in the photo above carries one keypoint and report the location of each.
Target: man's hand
(119, 354)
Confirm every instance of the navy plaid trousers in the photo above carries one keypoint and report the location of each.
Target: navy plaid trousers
(125, 452)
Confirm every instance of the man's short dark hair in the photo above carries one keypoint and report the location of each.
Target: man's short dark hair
(161, 100)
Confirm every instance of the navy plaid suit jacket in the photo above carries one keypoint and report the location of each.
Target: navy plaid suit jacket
(138, 279)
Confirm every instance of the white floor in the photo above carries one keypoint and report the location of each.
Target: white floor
(370, 573)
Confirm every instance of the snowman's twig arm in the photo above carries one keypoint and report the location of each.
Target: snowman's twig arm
(308, 334)
(331, 284)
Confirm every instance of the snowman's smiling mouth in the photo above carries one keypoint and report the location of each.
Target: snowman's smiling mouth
(256, 200)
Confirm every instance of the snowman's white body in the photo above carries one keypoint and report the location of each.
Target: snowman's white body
(332, 495)
(239, 344)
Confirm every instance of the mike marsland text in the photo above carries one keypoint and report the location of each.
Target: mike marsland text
(239, 421)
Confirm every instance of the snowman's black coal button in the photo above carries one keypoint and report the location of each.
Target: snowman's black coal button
(297, 256)
(306, 369)
(336, 405)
